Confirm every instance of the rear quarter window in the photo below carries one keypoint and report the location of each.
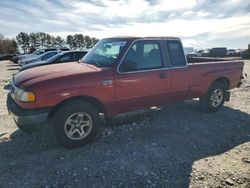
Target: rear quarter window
(176, 54)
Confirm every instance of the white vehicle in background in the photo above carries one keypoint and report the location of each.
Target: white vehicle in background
(231, 52)
(239, 52)
(192, 54)
(188, 50)
(199, 53)
(36, 53)
(205, 53)
(42, 57)
(32, 55)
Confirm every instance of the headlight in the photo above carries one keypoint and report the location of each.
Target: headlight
(24, 96)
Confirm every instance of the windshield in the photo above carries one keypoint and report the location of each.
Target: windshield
(104, 52)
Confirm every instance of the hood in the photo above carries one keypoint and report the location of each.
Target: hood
(28, 77)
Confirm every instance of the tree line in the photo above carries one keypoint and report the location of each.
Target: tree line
(29, 42)
(32, 41)
(7, 46)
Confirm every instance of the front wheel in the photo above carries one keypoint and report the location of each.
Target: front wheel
(214, 98)
(76, 123)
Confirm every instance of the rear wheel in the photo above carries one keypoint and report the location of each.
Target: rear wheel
(76, 123)
(214, 98)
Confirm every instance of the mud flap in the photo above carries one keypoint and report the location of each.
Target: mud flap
(227, 96)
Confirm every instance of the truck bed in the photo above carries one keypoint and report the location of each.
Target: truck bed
(208, 59)
(203, 74)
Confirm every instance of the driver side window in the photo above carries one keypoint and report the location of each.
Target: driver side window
(143, 55)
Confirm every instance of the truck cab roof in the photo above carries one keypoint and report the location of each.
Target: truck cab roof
(146, 38)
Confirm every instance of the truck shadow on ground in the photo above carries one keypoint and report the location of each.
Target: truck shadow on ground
(156, 147)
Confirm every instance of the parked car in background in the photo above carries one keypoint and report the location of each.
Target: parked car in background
(199, 53)
(36, 53)
(188, 50)
(245, 54)
(192, 54)
(32, 55)
(6, 56)
(205, 53)
(62, 57)
(16, 57)
(218, 52)
(231, 52)
(41, 57)
(117, 75)
(240, 52)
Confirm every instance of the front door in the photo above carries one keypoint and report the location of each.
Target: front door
(141, 80)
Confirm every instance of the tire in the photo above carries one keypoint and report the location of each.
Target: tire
(214, 98)
(76, 123)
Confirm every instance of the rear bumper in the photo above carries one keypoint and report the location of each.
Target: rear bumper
(242, 79)
(27, 116)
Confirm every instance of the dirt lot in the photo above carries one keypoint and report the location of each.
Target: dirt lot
(175, 146)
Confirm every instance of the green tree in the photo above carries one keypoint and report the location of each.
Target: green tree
(81, 41)
(78, 41)
(88, 42)
(14, 46)
(23, 40)
(58, 41)
(94, 41)
(7, 46)
(69, 40)
(1, 36)
(49, 40)
(41, 38)
(33, 41)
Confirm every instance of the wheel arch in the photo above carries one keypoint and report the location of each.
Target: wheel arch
(92, 100)
(223, 80)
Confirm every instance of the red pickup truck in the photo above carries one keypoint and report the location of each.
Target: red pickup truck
(118, 75)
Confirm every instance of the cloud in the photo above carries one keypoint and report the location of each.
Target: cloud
(198, 22)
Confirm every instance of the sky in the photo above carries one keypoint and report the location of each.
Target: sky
(199, 23)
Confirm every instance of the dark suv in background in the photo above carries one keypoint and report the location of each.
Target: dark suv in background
(218, 52)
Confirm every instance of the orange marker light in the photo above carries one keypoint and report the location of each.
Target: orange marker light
(31, 96)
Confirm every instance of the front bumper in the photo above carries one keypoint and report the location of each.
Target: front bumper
(27, 116)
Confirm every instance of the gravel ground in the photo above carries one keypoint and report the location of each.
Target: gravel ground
(174, 146)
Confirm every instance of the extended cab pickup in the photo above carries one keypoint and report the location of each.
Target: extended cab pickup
(118, 75)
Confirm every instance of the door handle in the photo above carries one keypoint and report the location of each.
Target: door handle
(162, 75)
(107, 82)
